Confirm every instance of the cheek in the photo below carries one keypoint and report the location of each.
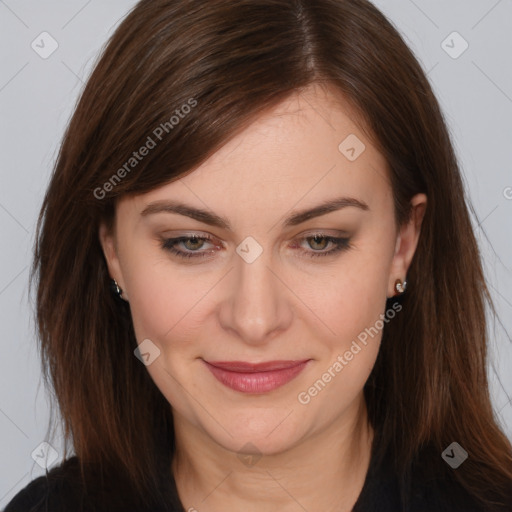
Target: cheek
(152, 309)
(163, 306)
(351, 297)
(161, 303)
(352, 304)
(152, 296)
(357, 316)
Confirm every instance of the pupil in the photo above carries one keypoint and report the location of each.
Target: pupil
(316, 238)
(194, 241)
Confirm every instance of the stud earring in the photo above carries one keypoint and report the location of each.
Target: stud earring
(116, 290)
(400, 286)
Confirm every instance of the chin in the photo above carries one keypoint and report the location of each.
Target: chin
(263, 432)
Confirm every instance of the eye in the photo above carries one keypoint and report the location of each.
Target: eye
(321, 241)
(192, 245)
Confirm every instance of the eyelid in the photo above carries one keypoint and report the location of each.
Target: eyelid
(325, 232)
(189, 236)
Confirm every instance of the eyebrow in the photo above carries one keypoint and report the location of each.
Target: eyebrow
(215, 220)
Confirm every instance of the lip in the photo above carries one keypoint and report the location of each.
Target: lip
(255, 377)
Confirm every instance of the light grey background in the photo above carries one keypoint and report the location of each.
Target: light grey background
(37, 97)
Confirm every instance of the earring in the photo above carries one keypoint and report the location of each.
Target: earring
(400, 286)
(116, 290)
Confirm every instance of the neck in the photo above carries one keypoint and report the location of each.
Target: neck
(326, 471)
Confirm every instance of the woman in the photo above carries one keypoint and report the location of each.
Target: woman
(258, 284)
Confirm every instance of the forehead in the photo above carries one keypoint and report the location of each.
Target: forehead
(308, 148)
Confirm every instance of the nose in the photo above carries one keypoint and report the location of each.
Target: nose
(256, 308)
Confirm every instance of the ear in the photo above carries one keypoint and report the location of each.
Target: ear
(109, 245)
(406, 243)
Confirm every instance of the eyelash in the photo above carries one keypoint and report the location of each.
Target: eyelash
(341, 244)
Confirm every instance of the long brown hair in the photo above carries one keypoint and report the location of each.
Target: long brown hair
(230, 60)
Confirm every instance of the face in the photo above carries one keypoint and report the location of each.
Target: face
(258, 280)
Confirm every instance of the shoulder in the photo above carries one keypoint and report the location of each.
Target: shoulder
(58, 490)
(429, 485)
(63, 489)
(434, 485)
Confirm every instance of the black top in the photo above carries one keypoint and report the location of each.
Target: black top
(430, 488)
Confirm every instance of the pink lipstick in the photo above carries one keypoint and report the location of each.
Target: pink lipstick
(255, 378)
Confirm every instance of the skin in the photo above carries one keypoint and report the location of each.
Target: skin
(282, 306)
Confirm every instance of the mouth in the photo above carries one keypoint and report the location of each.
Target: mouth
(255, 377)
